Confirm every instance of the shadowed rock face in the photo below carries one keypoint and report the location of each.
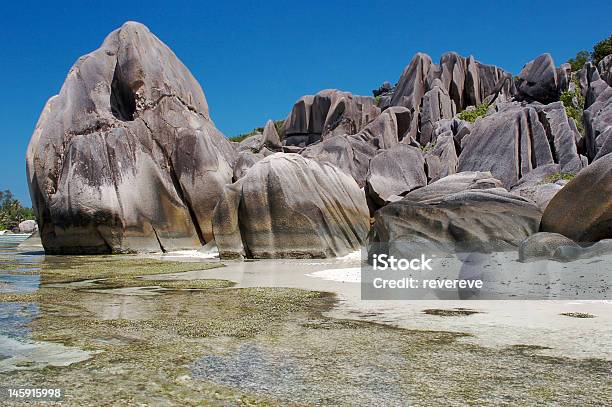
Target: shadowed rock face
(582, 210)
(287, 206)
(539, 80)
(126, 157)
(330, 112)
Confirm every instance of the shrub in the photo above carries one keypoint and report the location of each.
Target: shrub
(472, 114)
(602, 49)
(573, 101)
(567, 176)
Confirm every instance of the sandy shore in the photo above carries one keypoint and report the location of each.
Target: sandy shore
(496, 324)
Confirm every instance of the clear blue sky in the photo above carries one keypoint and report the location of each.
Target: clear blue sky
(254, 59)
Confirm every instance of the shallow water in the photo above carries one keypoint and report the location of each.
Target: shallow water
(106, 336)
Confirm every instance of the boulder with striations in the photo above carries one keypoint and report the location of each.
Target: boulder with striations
(287, 206)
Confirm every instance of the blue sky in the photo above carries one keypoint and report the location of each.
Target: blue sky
(254, 59)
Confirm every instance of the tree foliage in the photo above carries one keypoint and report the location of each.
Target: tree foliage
(12, 212)
(602, 49)
(581, 58)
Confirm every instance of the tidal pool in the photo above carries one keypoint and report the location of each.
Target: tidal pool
(110, 337)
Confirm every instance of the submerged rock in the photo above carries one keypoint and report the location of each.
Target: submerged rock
(126, 157)
(543, 245)
(287, 206)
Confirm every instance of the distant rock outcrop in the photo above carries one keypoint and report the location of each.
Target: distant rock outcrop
(126, 157)
(330, 112)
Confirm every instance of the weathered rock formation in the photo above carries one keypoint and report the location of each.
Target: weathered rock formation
(515, 140)
(126, 157)
(330, 112)
(539, 80)
(287, 206)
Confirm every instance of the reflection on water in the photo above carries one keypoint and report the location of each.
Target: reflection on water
(19, 271)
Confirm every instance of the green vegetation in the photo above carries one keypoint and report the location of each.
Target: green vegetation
(428, 147)
(581, 58)
(12, 212)
(567, 176)
(573, 101)
(377, 98)
(279, 124)
(602, 49)
(471, 115)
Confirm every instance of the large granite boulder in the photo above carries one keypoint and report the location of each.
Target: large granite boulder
(352, 152)
(126, 157)
(538, 80)
(605, 69)
(287, 206)
(270, 138)
(330, 112)
(582, 210)
(395, 172)
(561, 135)
(456, 81)
(437, 191)
(473, 220)
(411, 86)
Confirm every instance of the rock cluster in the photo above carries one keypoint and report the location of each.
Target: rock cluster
(457, 155)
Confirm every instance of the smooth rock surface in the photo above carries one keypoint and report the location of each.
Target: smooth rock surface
(582, 210)
(539, 80)
(330, 112)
